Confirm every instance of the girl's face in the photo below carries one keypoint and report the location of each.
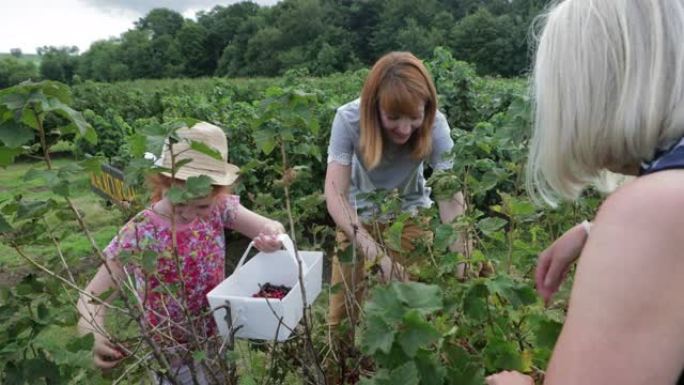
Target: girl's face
(400, 127)
(186, 212)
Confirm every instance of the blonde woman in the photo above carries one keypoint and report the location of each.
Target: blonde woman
(382, 142)
(609, 91)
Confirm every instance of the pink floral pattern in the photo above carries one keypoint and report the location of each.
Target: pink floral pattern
(201, 254)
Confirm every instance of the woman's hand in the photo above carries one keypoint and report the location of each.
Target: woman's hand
(390, 270)
(267, 240)
(509, 378)
(554, 262)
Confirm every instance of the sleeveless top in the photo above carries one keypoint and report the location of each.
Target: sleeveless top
(669, 159)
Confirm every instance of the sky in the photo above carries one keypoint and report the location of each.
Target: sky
(28, 24)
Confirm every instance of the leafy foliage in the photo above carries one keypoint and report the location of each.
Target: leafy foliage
(440, 329)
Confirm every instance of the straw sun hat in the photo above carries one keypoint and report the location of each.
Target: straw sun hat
(220, 171)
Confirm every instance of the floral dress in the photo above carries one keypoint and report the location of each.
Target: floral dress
(144, 247)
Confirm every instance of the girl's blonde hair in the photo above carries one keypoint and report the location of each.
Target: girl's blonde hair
(608, 87)
(159, 183)
(398, 83)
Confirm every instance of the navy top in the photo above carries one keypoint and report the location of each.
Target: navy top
(670, 158)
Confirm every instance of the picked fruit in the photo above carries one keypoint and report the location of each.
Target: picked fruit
(272, 291)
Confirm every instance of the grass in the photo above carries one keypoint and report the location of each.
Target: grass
(30, 57)
(103, 222)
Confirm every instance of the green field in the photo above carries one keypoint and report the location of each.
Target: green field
(103, 222)
(32, 57)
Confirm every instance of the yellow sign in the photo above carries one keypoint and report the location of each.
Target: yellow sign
(110, 185)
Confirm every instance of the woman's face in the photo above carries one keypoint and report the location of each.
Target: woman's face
(400, 127)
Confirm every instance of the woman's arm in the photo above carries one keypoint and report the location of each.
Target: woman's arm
(554, 262)
(263, 231)
(337, 180)
(450, 209)
(624, 324)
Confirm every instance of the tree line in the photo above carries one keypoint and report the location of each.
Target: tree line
(317, 37)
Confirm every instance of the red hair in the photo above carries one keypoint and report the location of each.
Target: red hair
(398, 83)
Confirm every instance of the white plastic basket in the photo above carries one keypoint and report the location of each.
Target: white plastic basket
(261, 318)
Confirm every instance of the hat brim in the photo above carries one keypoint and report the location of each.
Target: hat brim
(226, 178)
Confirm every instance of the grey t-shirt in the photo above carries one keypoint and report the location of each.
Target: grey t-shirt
(397, 170)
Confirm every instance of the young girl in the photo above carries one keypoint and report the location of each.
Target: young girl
(198, 228)
(609, 93)
(381, 142)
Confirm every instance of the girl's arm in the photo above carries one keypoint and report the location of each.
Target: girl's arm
(263, 231)
(92, 314)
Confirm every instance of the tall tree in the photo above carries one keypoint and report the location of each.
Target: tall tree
(161, 21)
(58, 63)
(496, 45)
(192, 41)
(14, 71)
(103, 62)
(228, 25)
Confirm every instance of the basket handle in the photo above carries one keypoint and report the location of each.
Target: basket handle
(287, 244)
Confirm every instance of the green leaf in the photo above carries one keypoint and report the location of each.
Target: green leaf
(92, 165)
(517, 293)
(546, 332)
(137, 143)
(346, 255)
(149, 261)
(205, 149)
(500, 354)
(40, 368)
(7, 155)
(199, 356)
(417, 333)
(377, 335)
(445, 235)
(466, 375)
(394, 234)
(180, 163)
(385, 302)
(406, 374)
(15, 135)
(5, 227)
(13, 100)
(475, 302)
(13, 375)
(424, 298)
(266, 140)
(198, 186)
(176, 194)
(42, 313)
(490, 225)
(430, 369)
(81, 343)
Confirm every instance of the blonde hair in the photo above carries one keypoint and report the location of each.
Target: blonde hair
(608, 87)
(399, 83)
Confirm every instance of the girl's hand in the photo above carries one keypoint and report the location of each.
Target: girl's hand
(554, 262)
(267, 240)
(105, 353)
(509, 378)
